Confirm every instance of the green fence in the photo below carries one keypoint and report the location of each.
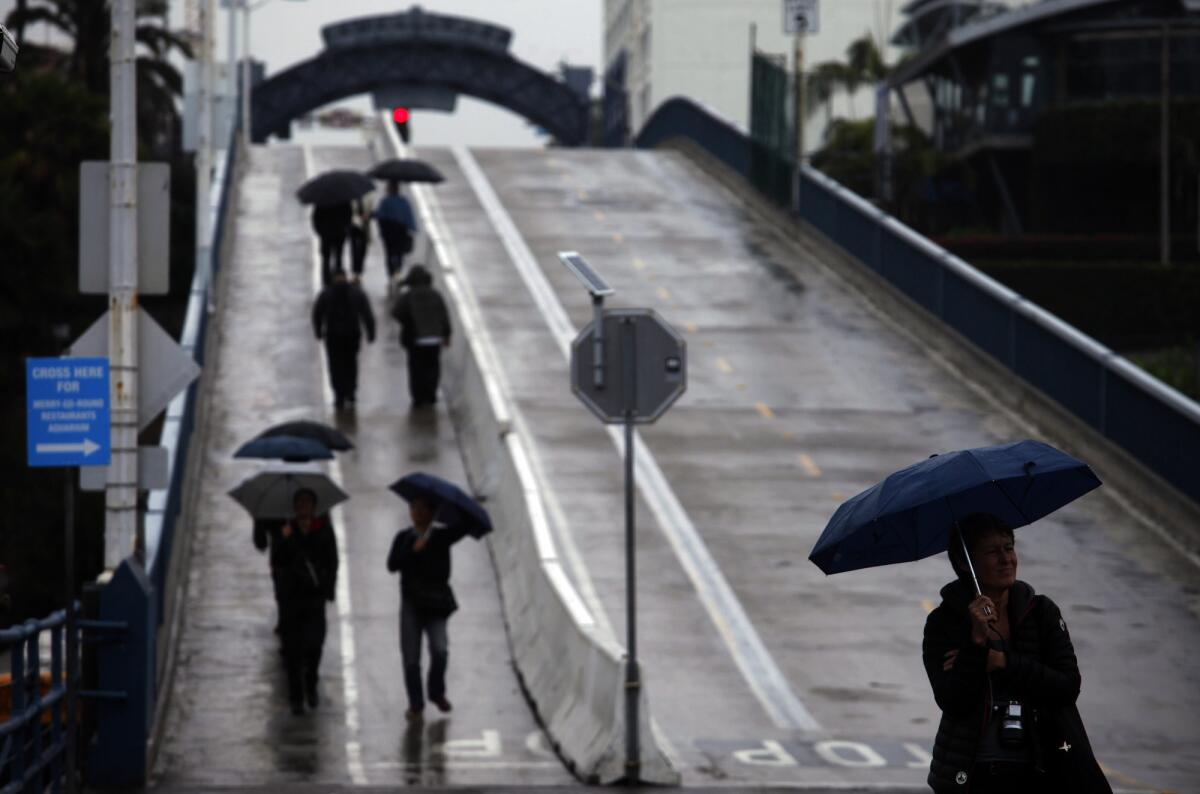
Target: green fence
(772, 131)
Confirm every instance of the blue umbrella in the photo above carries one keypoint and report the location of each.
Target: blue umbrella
(291, 448)
(909, 515)
(454, 507)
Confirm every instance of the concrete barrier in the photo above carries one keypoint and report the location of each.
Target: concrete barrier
(572, 673)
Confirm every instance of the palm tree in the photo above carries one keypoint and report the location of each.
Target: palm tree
(88, 24)
(864, 65)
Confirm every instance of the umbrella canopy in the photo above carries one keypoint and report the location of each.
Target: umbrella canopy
(315, 431)
(269, 493)
(454, 507)
(334, 187)
(293, 448)
(909, 515)
(398, 170)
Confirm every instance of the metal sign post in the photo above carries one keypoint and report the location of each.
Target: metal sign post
(628, 367)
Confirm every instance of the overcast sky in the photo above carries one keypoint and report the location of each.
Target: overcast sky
(545, 33)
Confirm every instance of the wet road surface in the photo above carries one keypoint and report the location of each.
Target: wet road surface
(800, 395)
(228, 721)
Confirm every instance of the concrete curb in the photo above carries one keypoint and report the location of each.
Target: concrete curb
(572, 674)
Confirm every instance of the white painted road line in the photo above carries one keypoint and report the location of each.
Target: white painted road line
(749, 652)
(354, 761)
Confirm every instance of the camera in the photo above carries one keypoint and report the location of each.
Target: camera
(1012, 729)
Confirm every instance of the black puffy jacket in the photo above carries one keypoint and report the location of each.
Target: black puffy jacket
(1041, 671)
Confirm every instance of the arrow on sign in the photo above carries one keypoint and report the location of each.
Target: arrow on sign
(87, 447)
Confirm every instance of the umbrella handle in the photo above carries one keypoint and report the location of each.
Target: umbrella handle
(967, 554)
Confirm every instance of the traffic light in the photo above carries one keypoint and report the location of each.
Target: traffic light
(400, 119)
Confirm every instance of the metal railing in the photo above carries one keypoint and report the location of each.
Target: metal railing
(34, 730)
(1152, 422)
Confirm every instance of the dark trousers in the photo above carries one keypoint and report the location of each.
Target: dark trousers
(358, 250)
(397, 241)
(343, 366)
(424, 372)
(1003, 779)
(412, 626)
(303, 633)
(331, 255)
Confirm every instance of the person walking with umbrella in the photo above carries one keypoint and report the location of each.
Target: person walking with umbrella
(308, 559)
(441, 515)
(998, 656)
(340, 315)
(397, 227)
(424, 331)
(331, 193)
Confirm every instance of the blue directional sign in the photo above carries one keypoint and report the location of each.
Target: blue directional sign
(67, 411)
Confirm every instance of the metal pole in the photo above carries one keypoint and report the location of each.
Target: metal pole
(121, 526)
(598, 341)
(204, 149)
(1164, 153)
(72, 651)
(246, 72)
(231, 78)
(798, 114)
(633, 761)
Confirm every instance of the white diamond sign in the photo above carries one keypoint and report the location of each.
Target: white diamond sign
(164, 368)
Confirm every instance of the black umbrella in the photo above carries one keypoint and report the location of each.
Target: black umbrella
(284, 448)
(304, 428)
(396, 170)
(454, 507)
(334, 187)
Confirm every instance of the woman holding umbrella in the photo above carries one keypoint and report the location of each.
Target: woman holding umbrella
(999, 658)
(441, 516)
(1003, 671)
(308, 561)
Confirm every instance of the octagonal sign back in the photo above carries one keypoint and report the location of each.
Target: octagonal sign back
(645, 367)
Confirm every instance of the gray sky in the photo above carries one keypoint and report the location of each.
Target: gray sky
(545, 32)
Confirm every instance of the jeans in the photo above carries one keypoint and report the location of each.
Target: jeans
(412, 625)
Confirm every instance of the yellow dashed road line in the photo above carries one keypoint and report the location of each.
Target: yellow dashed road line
(690, 328)
(764, 410)
(639, 263)
(810, 466)
(663, 293)
(927, 605)
(599, 215)
(724, 365)
(618, 237)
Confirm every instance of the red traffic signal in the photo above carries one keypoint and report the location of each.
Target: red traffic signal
(400, 119)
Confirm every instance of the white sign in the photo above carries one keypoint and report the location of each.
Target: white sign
(164, 367)
(801, 17)
(153, 226)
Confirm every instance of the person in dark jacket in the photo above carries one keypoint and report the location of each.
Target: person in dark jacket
(1004, 674)
(421, 555)
(339, 316)
(424, 331)
(359, 232)
(397, 226)
(266, 537)
(331, 222)
(308, 559)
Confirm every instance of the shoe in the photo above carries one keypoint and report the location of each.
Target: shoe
(442, 704)
(298, 708)
(313, 699)
(413, 715)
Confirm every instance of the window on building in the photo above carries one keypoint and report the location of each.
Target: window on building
(1000, 90)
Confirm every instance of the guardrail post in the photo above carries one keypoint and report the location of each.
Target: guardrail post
(117, 756)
